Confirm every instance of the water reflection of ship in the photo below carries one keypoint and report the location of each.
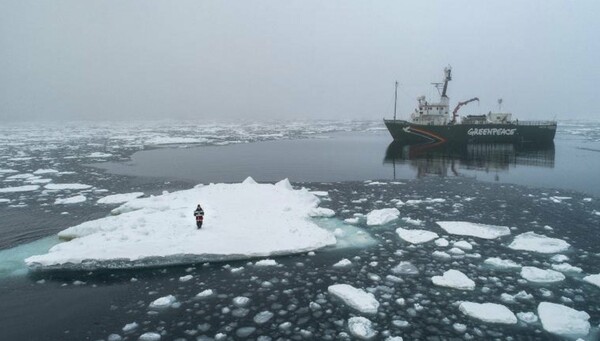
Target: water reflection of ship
(444, 159)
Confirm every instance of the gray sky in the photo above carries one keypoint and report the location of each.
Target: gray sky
(294, 59)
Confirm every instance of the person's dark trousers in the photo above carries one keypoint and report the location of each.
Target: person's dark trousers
(199, 224)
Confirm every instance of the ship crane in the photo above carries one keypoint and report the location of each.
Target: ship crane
(460, 104)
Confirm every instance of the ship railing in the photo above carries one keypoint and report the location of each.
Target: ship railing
(534, 123)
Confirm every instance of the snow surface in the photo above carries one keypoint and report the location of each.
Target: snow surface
(164, 226)
(416, 236)
(530, 241)
(119, 198)
(537, 275)
(488, 312)
(355, 298)
(382, 216)
(26, 188)
(464, 228)
(454, 279)
(562, 320)
(70, 200)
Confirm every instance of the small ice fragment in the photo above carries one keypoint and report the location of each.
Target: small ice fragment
(382, 216)
(185, 278)
(562, 320)
(205, 293)
(454, 279)
(342, 263)
(537, 275)
(263, 317)
(163, 302)
(266, 262)
(566, 267)
(357, 299)
(149, 336)
(441, 242)
(527, 317)
(361, 328)
(488, 312)
(241, 301)
(405, 268)
(463, 245)
(501, 263)
(416, 236)
(130, 327)
(464, 228)
(530, 241)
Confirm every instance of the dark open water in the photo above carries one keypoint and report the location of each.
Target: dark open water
(488, 184)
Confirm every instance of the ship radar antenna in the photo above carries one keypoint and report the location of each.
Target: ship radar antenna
(395, 98)
(500, 104)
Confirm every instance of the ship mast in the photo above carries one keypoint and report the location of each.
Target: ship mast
(395, 99)
(448, 78)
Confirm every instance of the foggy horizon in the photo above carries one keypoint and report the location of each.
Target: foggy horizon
(296, 60)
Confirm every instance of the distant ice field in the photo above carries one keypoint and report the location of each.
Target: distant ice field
(289, 298)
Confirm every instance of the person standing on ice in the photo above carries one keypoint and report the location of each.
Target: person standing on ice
(199, 214)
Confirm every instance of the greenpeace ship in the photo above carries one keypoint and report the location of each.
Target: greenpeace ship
(432, 123)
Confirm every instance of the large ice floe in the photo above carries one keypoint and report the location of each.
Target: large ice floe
(561, 320)
(537, 275)
(530, 241)
(242, 221)
(464, 228)
(382, 216)
(488, 312)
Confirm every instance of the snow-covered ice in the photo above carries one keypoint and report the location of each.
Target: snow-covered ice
(501, 263)
(163, 302)
(454, 279)
(566, 267)
(162, 228)
(355, 298)
(463, 244)
(488, 312)
(464, 228)
(562, 320)
(405, 268)
(361, 328)
(59, 187)
(17, 189)
(531, 241)
(70, 200)
(416, 236)
(593, 279)
(266, 262)
(119, 198)
(537, 275)
(382, 216)
(343, 263)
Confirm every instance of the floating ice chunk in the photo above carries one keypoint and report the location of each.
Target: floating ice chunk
(8, 171)
(527, 317)
(441, 242)
(488, 312)
(357, 299)
(163, 302)
(352, 221)
(241, 301)
(320, 193)
(537, 275)
(321, 212)
(59, 187)
(459, 327)
(413, 221)
(149, 336)
(416, 236)
(159, 140)
(559, 258)
(45, 171)
(343, 263)
(562, 320)
(361, 328)
(456, 251)
(70, 200)
(185, 278)
(266, 262)
(454, 279)
(502, 263)
(263, 317)
(441, 254)
(530, 241)
(161, 229)
(20, 176)
(405, 268)
(4, 201)
(129, 327)
(566, 267)
(204, 294)
(593, 279)
(99, 155)
(17, 189)
(382, 216)
(463, 245)
(119, 198)
(114, 337)
(464, 228)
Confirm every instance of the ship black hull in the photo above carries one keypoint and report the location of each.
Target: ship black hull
(410, 133)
